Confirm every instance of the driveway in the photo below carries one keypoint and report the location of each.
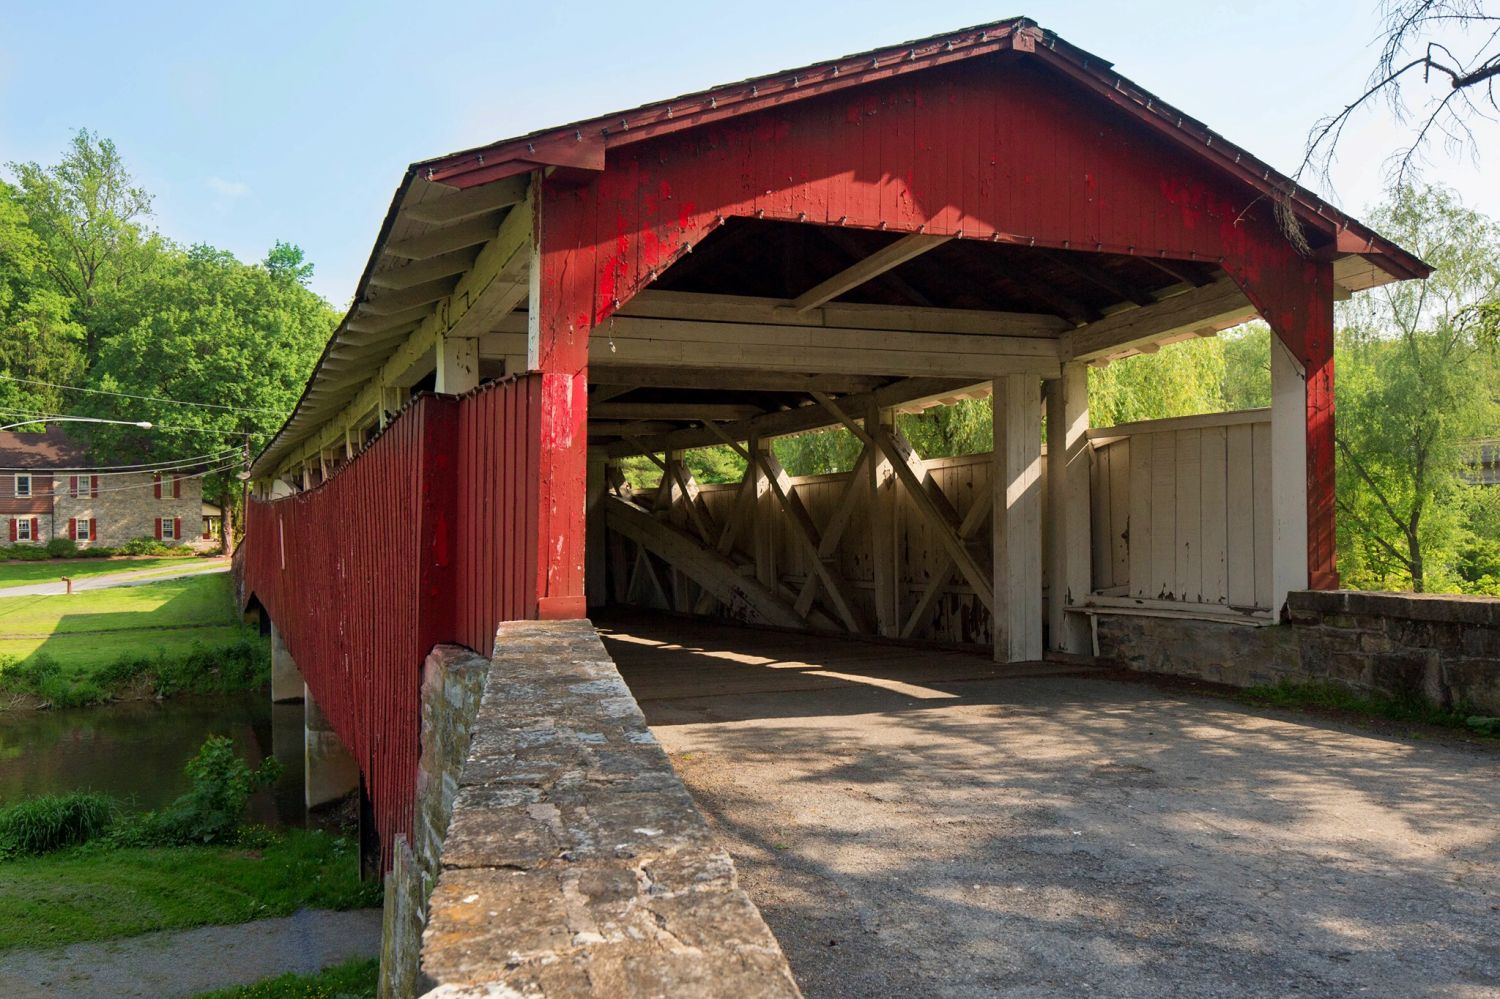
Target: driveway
(109, 580)
(926, 823)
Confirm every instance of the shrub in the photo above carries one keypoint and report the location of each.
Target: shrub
(52, 821)
(209, 813)
(62, 548)
(24, 553)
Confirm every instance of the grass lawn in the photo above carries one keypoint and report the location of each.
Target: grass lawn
(195, 601)
(80, 653)
(26, 573)
(355, 980)
(95, 893)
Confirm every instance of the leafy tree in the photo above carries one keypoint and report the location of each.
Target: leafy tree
(86, 214)
(1181, 379)
(1417, 383)
(40, 342)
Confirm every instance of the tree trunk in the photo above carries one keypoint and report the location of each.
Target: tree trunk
(1418, 572)
(226, 526)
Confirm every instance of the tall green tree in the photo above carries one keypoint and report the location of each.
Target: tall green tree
(87, 215)
(40, 344)
(1417, 384)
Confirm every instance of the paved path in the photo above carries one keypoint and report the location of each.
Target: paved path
(187, 962)
(108, 580)
(920, 823)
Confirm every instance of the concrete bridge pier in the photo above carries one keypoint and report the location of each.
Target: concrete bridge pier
(329, 771)
(286, 679)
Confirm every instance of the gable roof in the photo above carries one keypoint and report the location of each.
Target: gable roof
(50, 449)
(582, 146)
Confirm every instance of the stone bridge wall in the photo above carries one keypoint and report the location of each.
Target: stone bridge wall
(1443, 648)
(574, 861)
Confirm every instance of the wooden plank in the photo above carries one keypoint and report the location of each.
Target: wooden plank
(446, 206)
(1016, 485)
(1188, 569)
(883, 545)
(1215, 306)
(882, 260)
(628, 377)
(446, 239)
(1239, 569)
(833, 531)
(1119, 513)
(1214, 515)
(1230, 419)
(710, 570)
(853, 315)
(1099, 507)
(1261, 486)
(1163, 517)
(1141, 453)
(421, 271)
(1068, 491)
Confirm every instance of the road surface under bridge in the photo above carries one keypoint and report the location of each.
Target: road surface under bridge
(921, 822)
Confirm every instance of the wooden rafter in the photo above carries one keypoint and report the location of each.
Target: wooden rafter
(877, 263)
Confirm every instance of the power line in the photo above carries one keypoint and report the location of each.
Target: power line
(143, 398)
(44, 417)
(145, 466)
(91, 494)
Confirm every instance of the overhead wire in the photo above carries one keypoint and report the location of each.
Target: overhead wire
(145, 466)
(54, 492)
(144, 398)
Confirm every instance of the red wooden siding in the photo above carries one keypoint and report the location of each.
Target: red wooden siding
(999, 151)
(423, 538)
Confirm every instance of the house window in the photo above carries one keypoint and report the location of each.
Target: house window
(23, 528)
(167, 525)
(83, 530)
(23, 485)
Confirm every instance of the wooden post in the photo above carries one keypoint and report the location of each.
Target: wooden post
(557, 339)
(457, 365)
(1016, 480)
(1068, 502)
(883, 527)
(1289, 495)
(762, 519)
(594, 541)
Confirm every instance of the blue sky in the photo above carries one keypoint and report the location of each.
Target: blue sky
(256, 122)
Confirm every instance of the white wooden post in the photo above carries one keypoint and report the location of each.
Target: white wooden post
(883, 528)
(1068, 503)
(1288, 542)
(762, 520)
(595, 580)
(1016, 480)
(457, 364)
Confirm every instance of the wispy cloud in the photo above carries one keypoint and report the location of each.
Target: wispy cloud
(231, 189)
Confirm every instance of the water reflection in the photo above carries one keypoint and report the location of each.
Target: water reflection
(135, 751)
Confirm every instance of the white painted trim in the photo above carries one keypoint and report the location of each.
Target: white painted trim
(1288, 474)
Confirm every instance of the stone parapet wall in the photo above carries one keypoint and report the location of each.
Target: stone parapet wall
(575, 861)
(1445, 649)
(453, 679)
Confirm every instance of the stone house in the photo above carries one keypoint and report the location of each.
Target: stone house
(50, 489)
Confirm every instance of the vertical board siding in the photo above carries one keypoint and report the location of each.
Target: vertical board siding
(1185, 514)
(421, 539)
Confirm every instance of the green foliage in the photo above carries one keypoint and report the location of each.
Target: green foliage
(220, 785)
(151, 546)
(62, 548)
(24, 553)
(91, 296)
(1417, 382)
(1181, 379)
(244, 664)
(53, 821)
(96, 892)
(351, 980)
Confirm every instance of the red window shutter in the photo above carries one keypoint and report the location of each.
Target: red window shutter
(36, 534)
(176, 528)
(13, 528)
(73, 528)
(176, 487)
(93, 485)
(93, 529)
(73, 486)
(158, 528)
(156, 481)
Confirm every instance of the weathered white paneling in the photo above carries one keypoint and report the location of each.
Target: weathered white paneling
(1182, 513)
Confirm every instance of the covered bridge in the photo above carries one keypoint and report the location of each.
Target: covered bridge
(984, 212)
